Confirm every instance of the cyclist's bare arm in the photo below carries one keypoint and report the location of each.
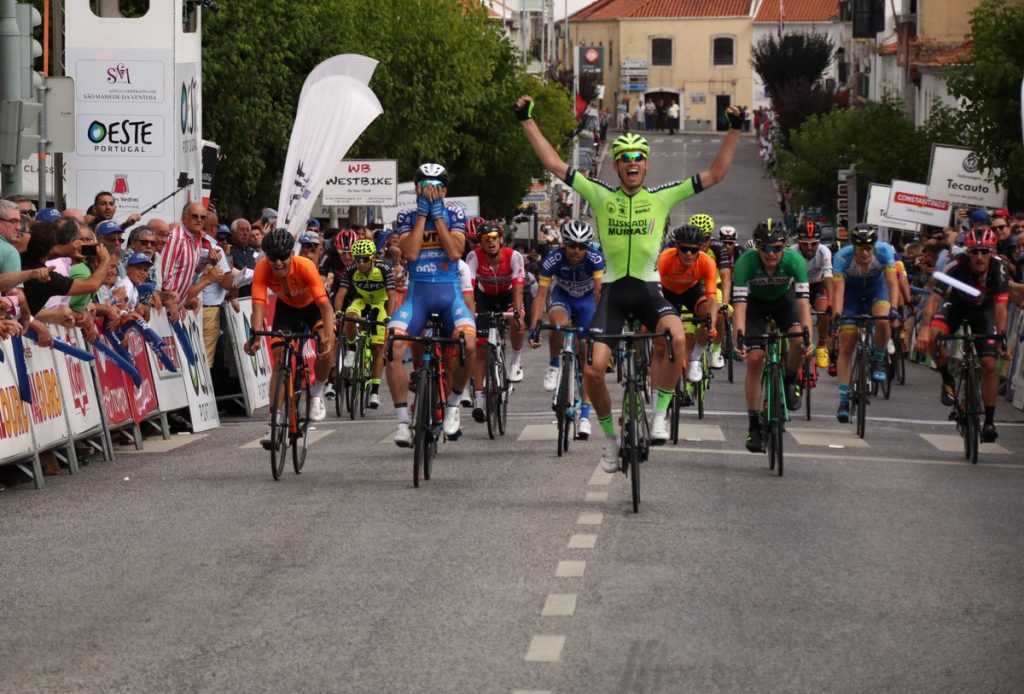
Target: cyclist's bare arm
(339, 298)
(539, 302)
(412, 242)
(723, 160)
(541, 147)
(392, 302)
(597, 290)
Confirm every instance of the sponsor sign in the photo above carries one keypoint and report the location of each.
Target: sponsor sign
(910, 202)
(188, 124)
(202, 401)
(170, 386)
(591, 59)
(77, 387)
(876, 206)
(132, 190)
(117, 135)
(30, 175)
(364, 183)
(126, 81)
(114, 391)
(15, 421)
(142, 397)
(254, 371)
(955, 175)
(407, 200)
(47, 410)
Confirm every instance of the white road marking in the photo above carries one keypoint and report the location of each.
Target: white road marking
(600, 477)
(314, 436)
(559, 605)
(700, 432)
(570, 569)
(597, 496)
(538, 432)
(827, 437)
(545, 649)
(582, 541)
(530, 691)
(590, 519)
(954, 443)
(158, 445)
(861, 458)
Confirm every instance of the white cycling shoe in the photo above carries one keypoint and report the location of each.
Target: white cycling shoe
(403, 435)
(515, 373)
(694, 372)
(452, 421)
(659, 430)
(317, 409)
(584, 431)
(374, 401)
(610, 455)
(717, 359)
(551, 379)
(349, 361)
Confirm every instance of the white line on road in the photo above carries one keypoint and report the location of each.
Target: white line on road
(157, 445)
(590, 519)
(582, 541)
(600, 477)
(559, 605)
(954, 443)
(531, 691)
(718, 453)
(545, 649)
(570, 569)
(315, 434)
(597, 496)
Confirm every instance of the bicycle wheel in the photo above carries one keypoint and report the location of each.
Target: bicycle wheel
(899, 364)
(279, 429)
(363, 359)
(501, 377)
(340, 382)
(632, 452)
(861, 379)
(727, 347)
(562, 408)
(699, 388)
(674, 408)
(437, 405)
(300, 436)
(886, 385)
(491, 395)
(422, 434)
(972, 428)
(809, 380)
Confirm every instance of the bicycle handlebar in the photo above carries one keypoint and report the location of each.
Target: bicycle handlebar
(628, 337)
(283, 334)
(950, 338)
(803, 332)
(368, 322)
(428, 340)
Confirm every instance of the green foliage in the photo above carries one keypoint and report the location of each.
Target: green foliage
(991, 86)
(447, 80)
(878, 138)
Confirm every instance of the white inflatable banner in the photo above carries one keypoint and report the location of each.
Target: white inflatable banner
(333, 112)
(357, 66)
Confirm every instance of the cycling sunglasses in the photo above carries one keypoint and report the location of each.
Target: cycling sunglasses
(493, 235)
(632, 156)
(278, 257)
(864, 246)
(776, 248)
(577, 246)
(979, 251)
(364, 259)
(689, 250)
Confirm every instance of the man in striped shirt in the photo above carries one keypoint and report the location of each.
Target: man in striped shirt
(181, 254)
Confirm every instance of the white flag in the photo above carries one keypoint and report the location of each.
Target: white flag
(334, 110)
(360, 67)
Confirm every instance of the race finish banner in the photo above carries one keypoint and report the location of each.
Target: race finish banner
(77, 386)
(15, 429)
(910, 202)
(254, 371)
(955, 175)
(335, 107)
(143, 396)
(47, 407)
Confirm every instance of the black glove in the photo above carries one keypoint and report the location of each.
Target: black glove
(525, 112)
(735, 120)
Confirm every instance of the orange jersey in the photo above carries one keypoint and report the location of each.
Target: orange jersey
(299, 288)
(677, 277)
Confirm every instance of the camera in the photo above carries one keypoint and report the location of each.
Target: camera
(89, 250)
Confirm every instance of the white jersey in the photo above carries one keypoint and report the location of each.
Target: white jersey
(465, 277)
(819, 266)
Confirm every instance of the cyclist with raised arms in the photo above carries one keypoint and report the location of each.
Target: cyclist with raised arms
(572, 274)
(819, 274)
(631, 222)
(432, 237)
(770, 282)
(986, 313)
(372, 285)
(498, 277)
(864, 279)
(302, 306)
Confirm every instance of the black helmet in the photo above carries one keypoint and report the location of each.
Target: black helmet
(278, 242)
(864, 235)
(769, 232)
(809, 231)
(431, 171)
(688, 234)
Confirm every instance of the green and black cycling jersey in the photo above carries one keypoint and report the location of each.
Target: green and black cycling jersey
(373, 286)
(631, 227)
(750, 281)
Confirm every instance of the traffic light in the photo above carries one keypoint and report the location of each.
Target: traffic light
(21, 103)
(15, 118)
(29, 49)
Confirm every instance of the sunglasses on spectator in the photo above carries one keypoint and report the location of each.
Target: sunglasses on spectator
(979, 251)
(689, 250)
(146, 242)
(577, 246)
(632, 156)
(278, 257)
(776, 248)
(998, 227)
(16, 220)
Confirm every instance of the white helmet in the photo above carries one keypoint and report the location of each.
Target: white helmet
(726, 233)
(577, 231)
(431, 172)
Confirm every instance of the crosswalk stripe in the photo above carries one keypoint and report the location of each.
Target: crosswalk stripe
(314, 436)
(954, 443)
(831, 438)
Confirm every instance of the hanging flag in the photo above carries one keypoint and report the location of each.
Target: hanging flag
(581, 106)
(335, 107)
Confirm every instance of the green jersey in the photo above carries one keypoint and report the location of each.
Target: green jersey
(749, 279)
(631, 228)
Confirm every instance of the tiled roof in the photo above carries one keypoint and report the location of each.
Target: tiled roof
(604, 10)
(936, 54)
(798, 10)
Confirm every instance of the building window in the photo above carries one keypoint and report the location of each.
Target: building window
(661, 51)
(724, 54)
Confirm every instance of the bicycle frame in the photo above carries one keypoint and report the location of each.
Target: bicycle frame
(567, 400)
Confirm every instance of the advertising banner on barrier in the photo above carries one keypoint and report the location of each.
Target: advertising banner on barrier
(15, 423)
(202, 401)
(47, 409)
(143, 396)
(170, 386)
(114, 390)
(254, 371)
(76, 384)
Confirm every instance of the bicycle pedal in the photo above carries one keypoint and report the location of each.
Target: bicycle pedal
(952, 416)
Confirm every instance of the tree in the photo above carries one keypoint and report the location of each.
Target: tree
(791, 58)
(989, 90)
(797, 101)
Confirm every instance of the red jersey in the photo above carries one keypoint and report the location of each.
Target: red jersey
(499, 279)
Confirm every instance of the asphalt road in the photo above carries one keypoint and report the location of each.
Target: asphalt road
(886, 564)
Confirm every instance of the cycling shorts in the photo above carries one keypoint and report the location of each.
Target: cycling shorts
(688, 301)
(580, 309)
(377, 312)
(425, 298)
(862, 298)
(783, 310)
(627, 298)
(288, 318)
(952, 314)
(818, 292)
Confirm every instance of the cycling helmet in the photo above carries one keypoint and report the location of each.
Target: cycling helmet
(364, 248)
(431, 172)
(980, 236)
(278, 242)
(629, 143)
(344, 239)
(576, 231)
(688, 234)
(704, 222)
(489, 228)
(726, 233)
(809, 231)
(473, 227)
(751, 244)
(864, 235)
(769, 232)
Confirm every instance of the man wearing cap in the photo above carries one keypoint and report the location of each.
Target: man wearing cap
(309, 246)
(109, 232)
(48, 214)
(243, 256)
(140, 289)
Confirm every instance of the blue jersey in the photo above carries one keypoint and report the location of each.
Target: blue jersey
(433, 264)
(574, 280)
(843, 264)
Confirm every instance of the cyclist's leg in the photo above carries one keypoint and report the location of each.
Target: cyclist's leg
(609, 317)
(983, 323)
(945, 321)
(379, 313)
(484, 303)
(582, 309)
(407, 320)
(820, 303)
(456, 319)
(756, 325)
(658, 315)
(880, 308)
